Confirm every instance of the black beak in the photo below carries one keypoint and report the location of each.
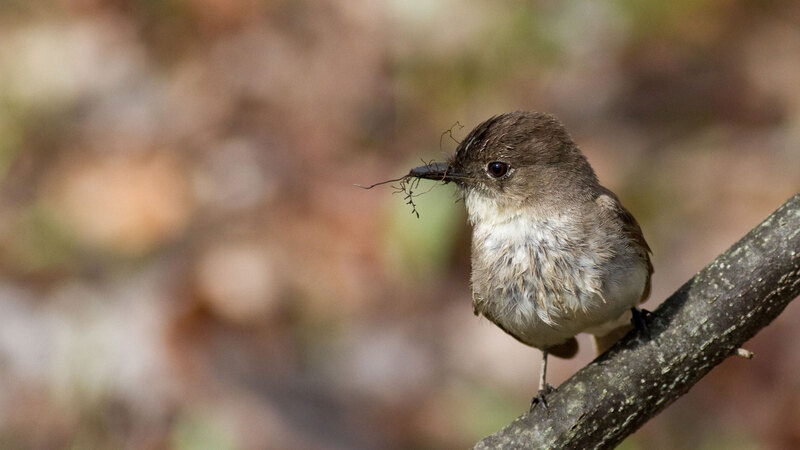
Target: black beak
(439, 171)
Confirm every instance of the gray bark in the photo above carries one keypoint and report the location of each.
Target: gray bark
(696, 328)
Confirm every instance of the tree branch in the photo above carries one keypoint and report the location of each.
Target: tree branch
(696, 328)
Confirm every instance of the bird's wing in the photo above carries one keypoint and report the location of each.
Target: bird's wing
(609, 202)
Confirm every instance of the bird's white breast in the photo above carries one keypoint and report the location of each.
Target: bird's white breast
(543, 277)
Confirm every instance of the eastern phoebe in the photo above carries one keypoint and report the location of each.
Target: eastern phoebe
(554, 253)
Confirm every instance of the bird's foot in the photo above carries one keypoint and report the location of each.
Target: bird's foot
(639, 321)
(541, 397)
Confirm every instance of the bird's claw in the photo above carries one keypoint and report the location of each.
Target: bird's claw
(639, 321)
(541, 397)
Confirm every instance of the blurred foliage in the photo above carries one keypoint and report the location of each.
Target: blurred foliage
(196, 432)
(186, 264)
(41, 243)
(421, 248)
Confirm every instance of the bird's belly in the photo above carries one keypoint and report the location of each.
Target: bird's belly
(545, 291)
(544, 321)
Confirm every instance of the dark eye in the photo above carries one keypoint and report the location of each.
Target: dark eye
(497, 169)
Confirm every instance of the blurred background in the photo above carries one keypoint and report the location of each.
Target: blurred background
(185, 262)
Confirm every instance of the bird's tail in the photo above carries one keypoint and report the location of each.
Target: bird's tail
(604, 342)
(566, 350)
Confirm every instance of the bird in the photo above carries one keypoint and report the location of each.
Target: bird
(553, 252)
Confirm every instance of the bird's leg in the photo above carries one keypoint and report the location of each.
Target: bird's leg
(544, 388)
(543, 372)
(639, 321)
